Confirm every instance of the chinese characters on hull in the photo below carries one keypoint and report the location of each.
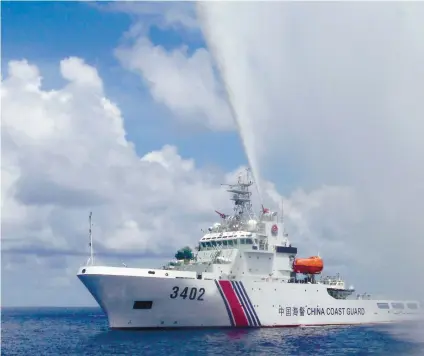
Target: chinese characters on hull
(302, 311)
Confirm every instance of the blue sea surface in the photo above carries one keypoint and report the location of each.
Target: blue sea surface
(84, 331)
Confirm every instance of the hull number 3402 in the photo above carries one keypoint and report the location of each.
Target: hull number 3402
(190, 293)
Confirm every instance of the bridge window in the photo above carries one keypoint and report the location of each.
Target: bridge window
(235, 242)
(249, 241)
(398, 305)
(224, 243)
(219, 243)
(203, 244)
(213, 243)
(242, 242)
(412, 306)
(383, 305)
(230, 242)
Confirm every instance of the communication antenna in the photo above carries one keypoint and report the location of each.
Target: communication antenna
(91, 259)
(285, 234)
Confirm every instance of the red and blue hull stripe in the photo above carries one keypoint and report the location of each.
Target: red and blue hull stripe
(240, 309)
(248, 303)
(227, 306)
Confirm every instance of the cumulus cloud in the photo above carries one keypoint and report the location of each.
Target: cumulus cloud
(185, 83)
(182, 78)
(65, 152)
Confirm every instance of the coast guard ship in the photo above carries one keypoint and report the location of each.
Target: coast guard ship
(244, 273)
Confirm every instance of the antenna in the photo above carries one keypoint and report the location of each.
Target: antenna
(285, 234)
(91, 239)
(282, 210)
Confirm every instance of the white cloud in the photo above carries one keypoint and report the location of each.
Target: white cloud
(75, 71)
(186, 83)
(64, 153)
(182, 79)
(178, 15)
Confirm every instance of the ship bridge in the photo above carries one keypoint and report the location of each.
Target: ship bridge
(243, 244)
(239, 239)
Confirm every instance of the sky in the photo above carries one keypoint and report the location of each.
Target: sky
(138, 111)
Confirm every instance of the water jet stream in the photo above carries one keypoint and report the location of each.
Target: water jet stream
(246, 133)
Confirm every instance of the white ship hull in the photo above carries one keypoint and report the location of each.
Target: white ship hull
(165, 301)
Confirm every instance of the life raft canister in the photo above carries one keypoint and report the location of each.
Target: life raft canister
(311, 265)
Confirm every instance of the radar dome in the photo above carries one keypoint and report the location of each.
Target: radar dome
(251, 225)
(216, 225)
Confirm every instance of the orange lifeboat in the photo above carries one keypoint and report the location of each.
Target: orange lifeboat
(311, 265)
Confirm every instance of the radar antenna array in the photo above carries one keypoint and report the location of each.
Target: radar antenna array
(241, 197)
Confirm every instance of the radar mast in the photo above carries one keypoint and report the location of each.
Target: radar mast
(241, 196)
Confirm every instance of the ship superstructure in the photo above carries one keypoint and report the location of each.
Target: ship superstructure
(245, 272)
(243, 245)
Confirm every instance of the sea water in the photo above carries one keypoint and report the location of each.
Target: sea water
(84, 331)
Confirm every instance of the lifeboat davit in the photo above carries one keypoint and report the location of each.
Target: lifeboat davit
(311, 265)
